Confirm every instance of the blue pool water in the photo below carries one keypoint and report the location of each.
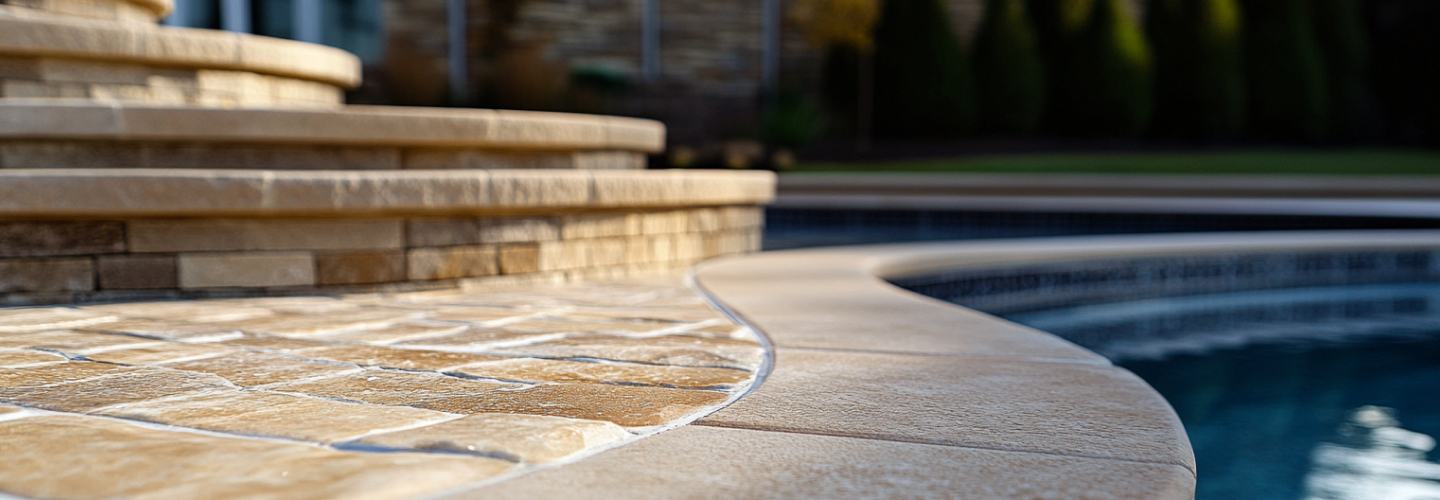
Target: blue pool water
(1314, 393)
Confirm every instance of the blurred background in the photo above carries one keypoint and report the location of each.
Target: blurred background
(877, 84)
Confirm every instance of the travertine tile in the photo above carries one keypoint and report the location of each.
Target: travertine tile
(391, 357)
(69, 341)
(435, 232)
(1071, 408)
(628, 406)
(56, 373)
(279, 415)
(195, 311)
(386, 387)
(399, 332)
(519, 259)
(165, 352)
(176, 330)
(478, 339)
(275, 344)
(29, 319)
(667, 350)
(574, 227)
(707, 462)
(607, 327)
(221, 235)
(12, 358)
(551, 370)
(122, 387)
(255, 368)
(137, 272)
(246, 269)
(316, 325)
(676, 314)
(518, 230)
(529, 438)
(479, 314)
(111, 459)
(345, 268)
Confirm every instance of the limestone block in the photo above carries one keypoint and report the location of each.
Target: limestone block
(278, 415)
(137, 272)
(704, 220)
(388, 387)
(19, 68)
(269, 157)
(256, 368)
(31, 89)
(560, 255)
(607, 251)
(674, 350)
(529, 188)
(129, 386)
(552, 370)
(677, 221)
(58, 154)
(689, 246)
(63, 70)
(624, 189)
(450, 158)
(639, 249)
(598, 225)
(516, 230)
(430, 232)
(643, 135)
(519, 259)
(180, 235)
(34, 239)
(538, 130)
(47, 275)
(608, 160)
(529, 438)
(627, 406)
(452, 262)
(111, 459)
(344, 268)
(207, 270)
(740, 217)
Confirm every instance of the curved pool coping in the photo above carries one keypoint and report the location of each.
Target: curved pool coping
(879, 392)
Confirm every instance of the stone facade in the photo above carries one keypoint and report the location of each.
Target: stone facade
(47, 261)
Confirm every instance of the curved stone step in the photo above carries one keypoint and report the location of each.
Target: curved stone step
(30, 33)
(130, 11)
(83, 134)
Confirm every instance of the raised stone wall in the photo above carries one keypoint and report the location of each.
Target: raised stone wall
(59, 261)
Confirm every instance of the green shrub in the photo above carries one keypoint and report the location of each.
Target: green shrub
(1099, 67)
(793, 122)
(1285, 70)
(1199, 69)
(1009, 75)
(923, 83)
(1341, 33)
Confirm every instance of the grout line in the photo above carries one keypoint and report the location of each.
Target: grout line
(901, 439)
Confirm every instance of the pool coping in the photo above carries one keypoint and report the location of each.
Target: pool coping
(879, 392)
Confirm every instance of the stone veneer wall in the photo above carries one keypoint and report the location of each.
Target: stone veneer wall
(60, 261)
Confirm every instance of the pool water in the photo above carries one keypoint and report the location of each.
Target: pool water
(1316, 393)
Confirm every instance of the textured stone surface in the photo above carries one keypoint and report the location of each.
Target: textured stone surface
(55, 373)
(253, 368)
(155, 353)
(48, 239)
(122, 387)
(1108, 412)
(70, 341)
(46, 275)
(49, 318)
(359, 267)
(132, 272)
(529, 438)
(669, 350)
(452, 262)
(623, 405)
(278, 415)
(14, 358)
(212, 235)
(384, 387)
(251, 269)
(519, 259)
(707, 462)
(549, 370)
(408, 359)
(107, 459)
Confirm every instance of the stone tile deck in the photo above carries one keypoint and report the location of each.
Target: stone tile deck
(360, 396)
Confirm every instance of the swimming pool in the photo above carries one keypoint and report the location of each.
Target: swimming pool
(1297, 375)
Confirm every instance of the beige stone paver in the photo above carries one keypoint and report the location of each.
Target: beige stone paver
(279, 415)
(530, 438)
(408, 359)
(668, 350)
(104, 458)
(11, 358)
(553, 370)
(627, 406)
(256, 368)
(125, 387)
(387, 395)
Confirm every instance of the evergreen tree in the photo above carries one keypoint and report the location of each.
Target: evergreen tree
(923, 83)
(1285, 69)
(1009, 74)
(1339, 27)
(1099, 64)
(1199, 69)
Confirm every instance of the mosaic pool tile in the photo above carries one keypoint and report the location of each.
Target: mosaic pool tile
(384, 396)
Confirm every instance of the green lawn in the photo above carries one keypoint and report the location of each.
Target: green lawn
(1338, 162)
